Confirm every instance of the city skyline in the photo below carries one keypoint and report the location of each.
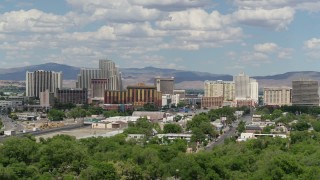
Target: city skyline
(228, 37)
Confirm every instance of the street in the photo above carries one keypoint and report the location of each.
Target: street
(231, 132)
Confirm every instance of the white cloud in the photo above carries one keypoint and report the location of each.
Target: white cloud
(114, 10)
(277, 19)
(309, 6)
(266, 47)
(33, 21)
(313, 43)
(197, 19)
(285, 53)
(173, 5)
(312, 47)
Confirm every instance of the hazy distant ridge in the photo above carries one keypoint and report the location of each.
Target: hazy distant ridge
(183, 78)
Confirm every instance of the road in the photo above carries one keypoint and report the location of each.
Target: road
(9, 124)
(231, 132)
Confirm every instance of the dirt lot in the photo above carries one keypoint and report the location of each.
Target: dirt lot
(83, 133)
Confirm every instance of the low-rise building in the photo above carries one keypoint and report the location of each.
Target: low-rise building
(172, 136)
(211, 102)
(125, 119)
(246, 136)
(253, 129)
(109, 125)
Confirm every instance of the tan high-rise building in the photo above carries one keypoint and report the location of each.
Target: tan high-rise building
(213, 88)
(225, 89)
(164, 85)
(229, 91)
(277, 96)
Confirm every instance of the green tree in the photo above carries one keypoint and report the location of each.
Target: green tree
(62, 154)
(74, 113)
(316, 126)
(181, 104)
(150, 107)
(172, 128)
(241, 127)
(99, 170)
(56, 115)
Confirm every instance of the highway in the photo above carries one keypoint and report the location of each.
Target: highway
(229, 133)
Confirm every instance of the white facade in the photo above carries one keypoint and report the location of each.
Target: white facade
(85, 76)
(172, 136)
(254, 90)
(242, 86)
(246, 88)
(122, 118)
(175, 99)
(166, 99)
(107, 70)
(39, 81)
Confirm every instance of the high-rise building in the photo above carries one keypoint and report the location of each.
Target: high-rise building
(254, 90)
(98, 87)
(277, 96)
(110, 71)
(137, 95)
(225, 89)
(85, 76)
(46, 98)
(305, 93)
(229, 91)
(40, 81)
(242, 85)
(246, 88)
(213, 88)
(107, 70)
(164, 85)
(74, 96)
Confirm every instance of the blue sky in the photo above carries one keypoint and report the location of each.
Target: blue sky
(224, 37)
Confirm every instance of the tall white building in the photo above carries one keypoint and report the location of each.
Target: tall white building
(40, 81)
(85, 76)
(254, 90)
(107, 70)
(110, 71)
(246, 88)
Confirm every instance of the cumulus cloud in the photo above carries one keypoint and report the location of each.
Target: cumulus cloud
(114, 10)
(33, 21)
(266, 47)
(312, 47)
(277, 19)
(173, 5)
(313, 43)
(195, 19)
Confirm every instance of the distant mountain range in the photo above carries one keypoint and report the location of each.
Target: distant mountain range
(183, 78)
